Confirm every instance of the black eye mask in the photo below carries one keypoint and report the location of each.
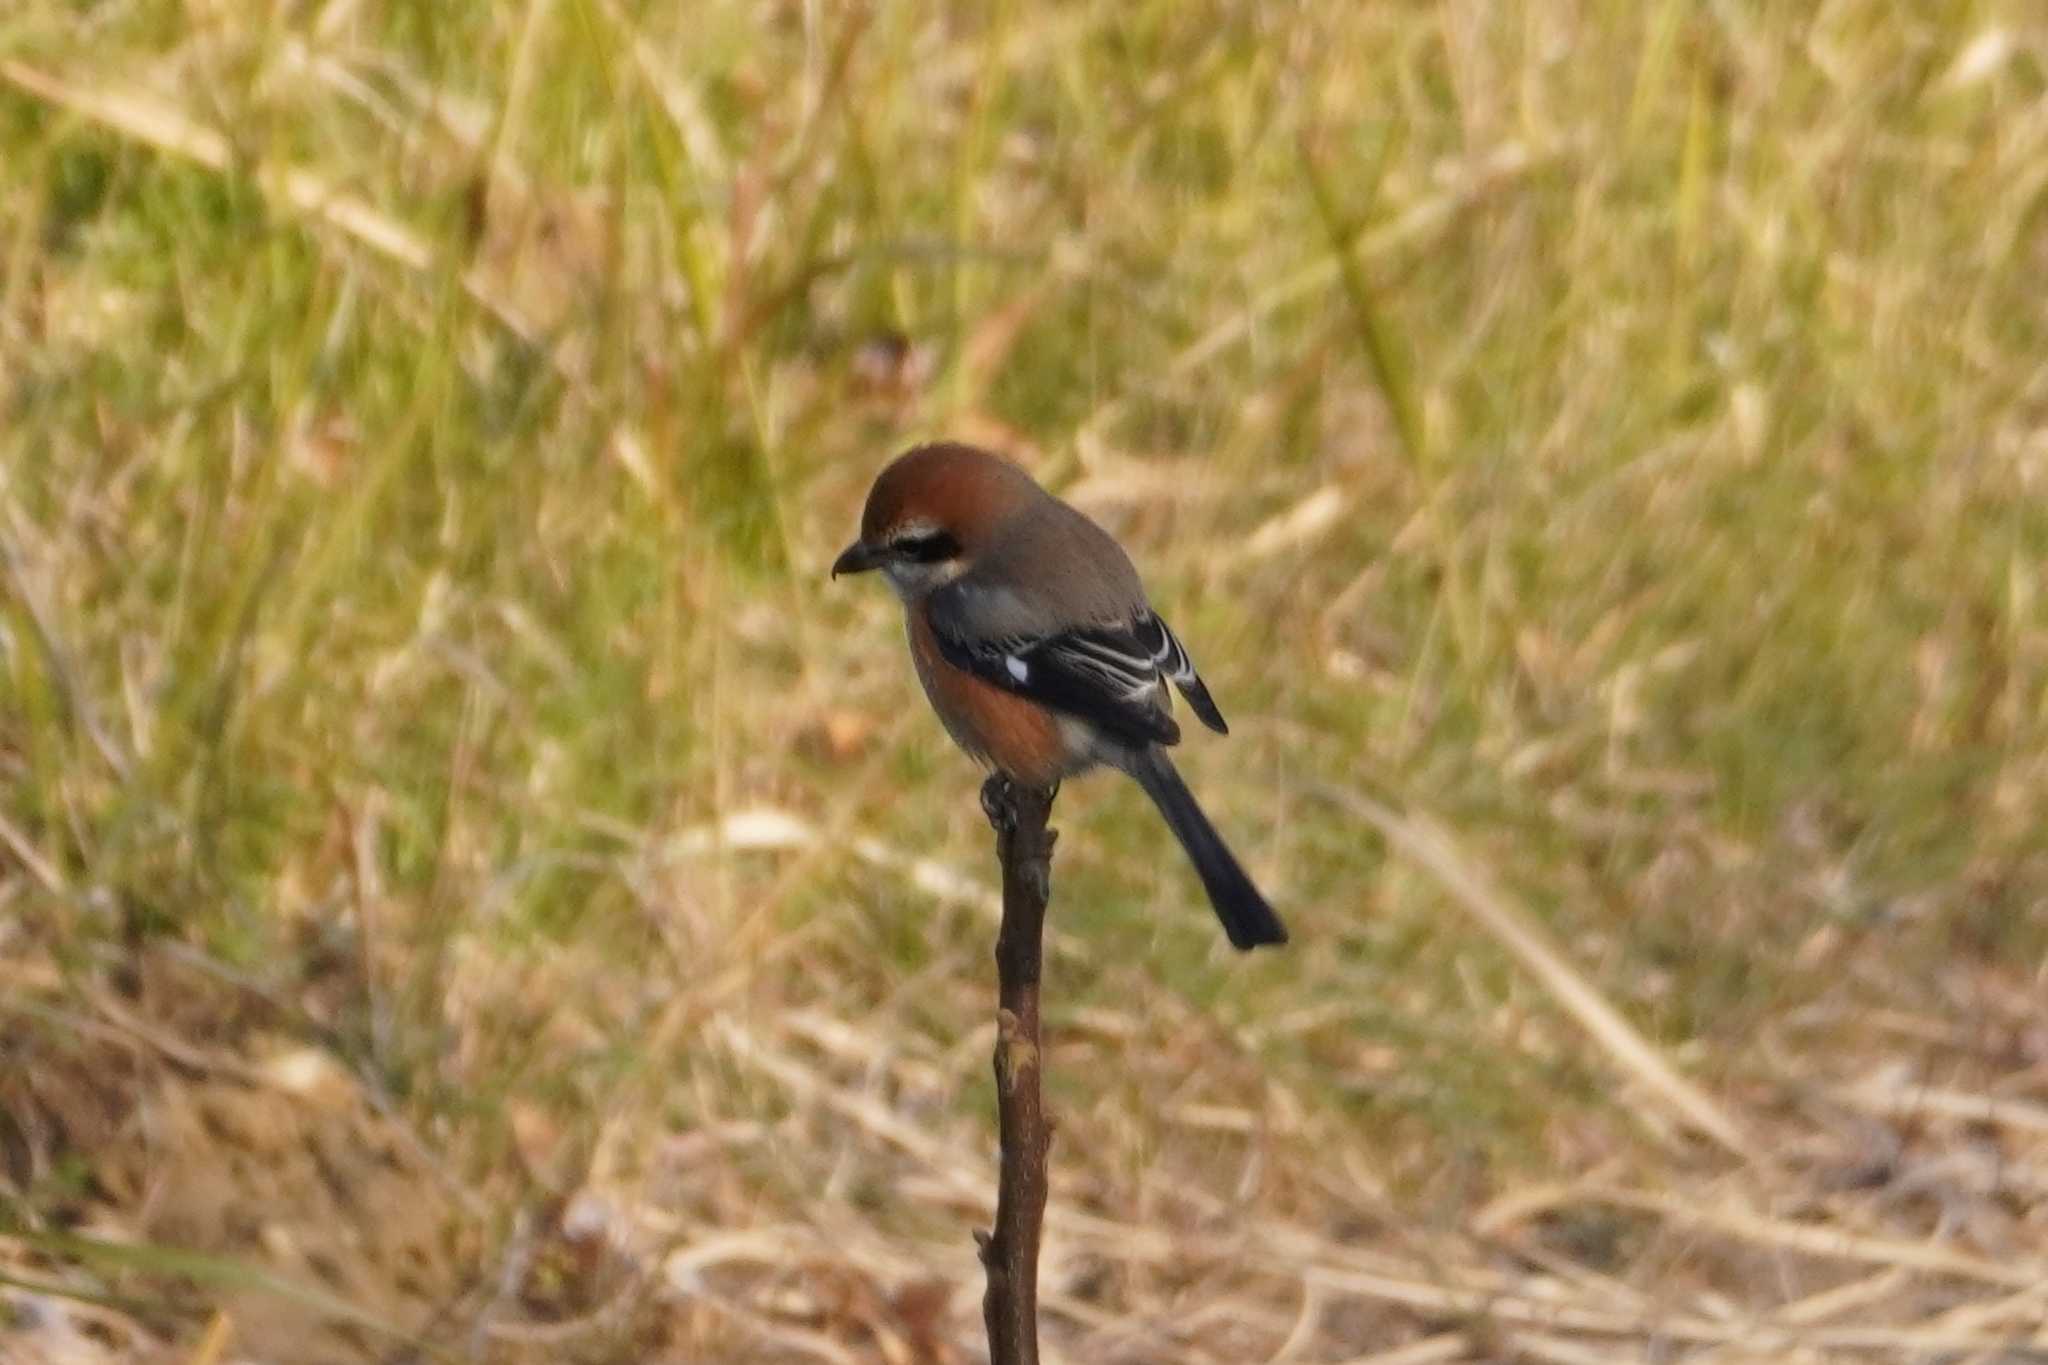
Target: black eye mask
(929, 547)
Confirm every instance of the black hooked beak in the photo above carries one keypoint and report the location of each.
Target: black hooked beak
(859, 557)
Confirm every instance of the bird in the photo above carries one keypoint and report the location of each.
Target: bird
(1036, 646)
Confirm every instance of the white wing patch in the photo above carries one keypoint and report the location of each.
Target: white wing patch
(1019, 670)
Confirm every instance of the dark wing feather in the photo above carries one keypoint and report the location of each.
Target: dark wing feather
(1108, 674)
(1171, 660)
(1102, 674)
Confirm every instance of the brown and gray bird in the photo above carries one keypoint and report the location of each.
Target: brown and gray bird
(1036, 646)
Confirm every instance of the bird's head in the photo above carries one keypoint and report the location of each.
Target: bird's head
(930, 514)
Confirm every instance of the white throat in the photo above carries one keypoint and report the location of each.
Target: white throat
(912, 581)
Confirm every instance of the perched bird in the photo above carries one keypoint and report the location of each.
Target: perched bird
(1036, 646)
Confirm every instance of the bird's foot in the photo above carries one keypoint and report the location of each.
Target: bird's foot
(1000, 795)
(999, 803)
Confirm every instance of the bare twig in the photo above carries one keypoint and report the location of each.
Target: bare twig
(1896, 1096)
(1009, 1254)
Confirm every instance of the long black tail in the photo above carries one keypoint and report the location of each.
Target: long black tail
(1246, 917)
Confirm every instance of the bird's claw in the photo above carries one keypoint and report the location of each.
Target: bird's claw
(998, 803)
(999, 797)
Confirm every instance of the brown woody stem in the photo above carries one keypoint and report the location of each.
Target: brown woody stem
(1009, 1254)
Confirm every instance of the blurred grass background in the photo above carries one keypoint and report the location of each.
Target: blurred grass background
(426, 730)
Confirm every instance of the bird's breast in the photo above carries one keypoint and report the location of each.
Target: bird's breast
(1022, 738)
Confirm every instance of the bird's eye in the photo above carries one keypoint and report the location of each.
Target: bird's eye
(927, 547)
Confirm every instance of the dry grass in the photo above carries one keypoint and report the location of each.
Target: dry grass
(469, 889)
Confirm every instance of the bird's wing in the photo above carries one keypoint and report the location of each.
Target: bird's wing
(1110, 675)
(1171, 659)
